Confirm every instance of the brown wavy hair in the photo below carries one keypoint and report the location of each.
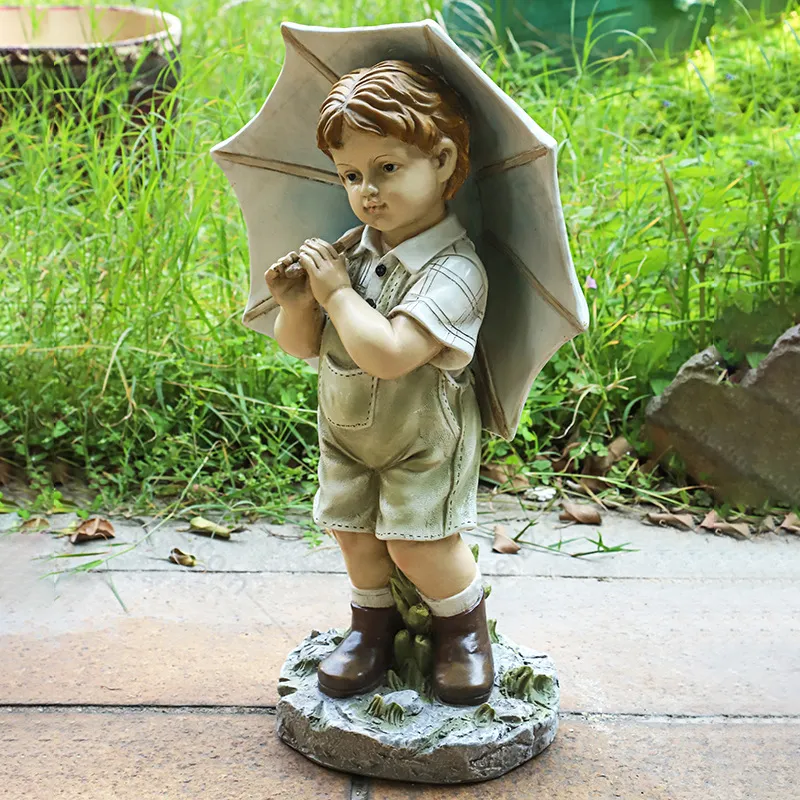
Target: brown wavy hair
(396, 98)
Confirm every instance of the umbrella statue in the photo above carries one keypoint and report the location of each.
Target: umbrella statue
(510, 204)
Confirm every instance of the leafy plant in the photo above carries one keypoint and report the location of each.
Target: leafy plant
(123, 257)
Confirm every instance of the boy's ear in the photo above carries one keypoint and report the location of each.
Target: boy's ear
(446, 155)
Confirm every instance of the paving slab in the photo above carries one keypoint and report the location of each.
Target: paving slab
(138, 755)
(632, 646)
(141, 755)
(263, 547)
(679, 663)
(655, 760)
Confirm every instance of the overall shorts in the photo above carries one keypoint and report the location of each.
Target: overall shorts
(398, 458)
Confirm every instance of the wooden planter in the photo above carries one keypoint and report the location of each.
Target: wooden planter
(67, 45)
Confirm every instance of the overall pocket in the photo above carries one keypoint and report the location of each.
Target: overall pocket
(346, 396)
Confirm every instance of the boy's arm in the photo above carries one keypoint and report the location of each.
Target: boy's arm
(298, 330)
(387, 349)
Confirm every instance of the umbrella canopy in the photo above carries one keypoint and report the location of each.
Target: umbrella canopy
(289, 191)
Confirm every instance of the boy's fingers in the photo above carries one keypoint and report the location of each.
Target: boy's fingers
(310, 252)
(274, 272)
(329, 249)
(308, 262)
(294, 271)
(324, 250)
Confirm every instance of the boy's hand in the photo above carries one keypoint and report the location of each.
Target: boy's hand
(290, 290)
(326, 269)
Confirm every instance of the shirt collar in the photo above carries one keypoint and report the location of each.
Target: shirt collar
(416, 252)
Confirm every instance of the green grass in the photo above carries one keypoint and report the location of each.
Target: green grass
(123, 259)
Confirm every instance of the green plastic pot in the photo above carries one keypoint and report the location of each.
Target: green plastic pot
(756, 8)
(666, 25)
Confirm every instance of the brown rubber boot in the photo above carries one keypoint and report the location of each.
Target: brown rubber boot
(463, 667)
(360, 661)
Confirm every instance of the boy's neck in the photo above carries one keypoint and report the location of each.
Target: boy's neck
(389, 240)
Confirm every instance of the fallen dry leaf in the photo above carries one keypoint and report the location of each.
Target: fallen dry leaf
(177, 556)
(33, 524)
(649, 466)
(583, 514)
(739, 530)
(591, 485)
(206, 527)
(683, 521)
(600, 465)
(503, 543)
(505, 475)
(565, 463)
(791, 524)
(92, 529)
(5, 473)
(619, 448)
(712, 522)
(768, 524)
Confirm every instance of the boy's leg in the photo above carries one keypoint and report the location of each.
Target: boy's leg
(439, 568)
(362, 658)
(446, 576)
(368, 567)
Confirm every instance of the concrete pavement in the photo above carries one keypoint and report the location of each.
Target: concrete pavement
(679, 664)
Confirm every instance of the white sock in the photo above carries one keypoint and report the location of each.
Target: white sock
(458, 603)
(372, 598)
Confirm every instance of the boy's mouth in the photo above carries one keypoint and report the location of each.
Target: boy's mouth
(372, 209)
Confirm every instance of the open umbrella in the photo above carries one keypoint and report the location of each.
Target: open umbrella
(510, 204)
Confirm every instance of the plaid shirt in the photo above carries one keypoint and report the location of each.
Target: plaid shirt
(445, 287)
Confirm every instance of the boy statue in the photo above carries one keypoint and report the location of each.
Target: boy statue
(394, 320)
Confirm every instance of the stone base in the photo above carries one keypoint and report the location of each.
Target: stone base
(411, 737)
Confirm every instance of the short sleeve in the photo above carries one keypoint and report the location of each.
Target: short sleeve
(448, 299)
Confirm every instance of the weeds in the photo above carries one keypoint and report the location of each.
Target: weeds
(123, 258)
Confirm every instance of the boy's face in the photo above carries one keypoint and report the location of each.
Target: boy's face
(391, 184)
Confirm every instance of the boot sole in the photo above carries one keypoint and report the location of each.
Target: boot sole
(340, 694)
(473, 700)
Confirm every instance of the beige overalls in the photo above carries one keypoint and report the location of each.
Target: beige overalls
(400, 458)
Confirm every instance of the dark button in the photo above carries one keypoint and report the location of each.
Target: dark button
(371, 302)
(380, 270)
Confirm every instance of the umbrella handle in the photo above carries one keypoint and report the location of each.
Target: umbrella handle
(340, 245)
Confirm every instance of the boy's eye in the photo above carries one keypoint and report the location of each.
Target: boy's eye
(390, 167)
(351, 176)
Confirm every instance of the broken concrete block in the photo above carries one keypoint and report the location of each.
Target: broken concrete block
(743, 441)
(777, 377)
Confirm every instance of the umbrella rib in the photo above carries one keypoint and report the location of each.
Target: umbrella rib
(270, 303)
(259, 309)
(513, 161)
(433, 53)
(285, 167)
(509, 253)
(317, 63)
(487, 391)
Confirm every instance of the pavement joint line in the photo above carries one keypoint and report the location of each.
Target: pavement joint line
(600, 578)
(135, 708)
(270, 710)
(360, 787)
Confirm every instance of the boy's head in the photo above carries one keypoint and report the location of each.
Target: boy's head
(399, 137)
